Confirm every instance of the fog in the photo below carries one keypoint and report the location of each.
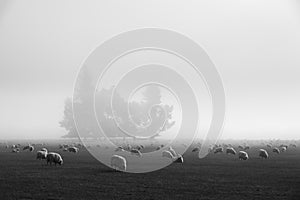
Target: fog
(254, 44)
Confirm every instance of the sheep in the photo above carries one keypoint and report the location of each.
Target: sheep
(240, 147)
(276, 150)
(263, 153)
(136, 152)
(243, 155)
(158, 148)
(54, 158)
(139, 147)
(29, 147)
(269, 146)
(119, 149)
(44, 149)
(16, 150)
(218, 150)
(197, 149)
(168, 154)
(128, 147)
(118, 163)
(283, 148)
(293, 145)
(230, 150)
(178, 159)
(172, 151)
(73, 149)
(41, 155)
(246, 147)
(283, 145)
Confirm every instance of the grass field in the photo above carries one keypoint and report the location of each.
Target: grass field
(218, 176)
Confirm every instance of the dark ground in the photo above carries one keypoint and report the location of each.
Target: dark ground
(214, 177)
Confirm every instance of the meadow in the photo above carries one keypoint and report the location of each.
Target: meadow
(217, 176)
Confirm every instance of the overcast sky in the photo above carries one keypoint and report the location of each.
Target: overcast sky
(254, 44)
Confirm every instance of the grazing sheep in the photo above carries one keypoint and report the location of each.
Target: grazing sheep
(263, 153)
(168, 154)
(139, 147)
(283, 145)
(158, 148)
(73, 149)
(293, 145)
(119, 149)
(246, 147)
(218, 150)
(14, 146)
(230, 150)
(54, 158)
(283, 149)
(136, 152)
(16, 150)
(172, 151)
(197, 149)
(65, 149)
(276, 150)
(44, 149)
(128, 147)
(240, 147)
(269, 146)
(41, 155)
(179, 159)
(243, 155)
(118, 163)
(29, 147)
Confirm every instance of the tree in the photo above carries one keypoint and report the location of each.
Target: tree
(68, 120)
(115, 120)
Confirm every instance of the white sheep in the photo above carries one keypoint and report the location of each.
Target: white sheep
(283, 148)
(44, 149)
(73, 149)
(178, 159)
(218, 150)
(118, 163)
(196, 149)
(276, 150)
(243, 155)
(172, 151)
(41, 155)
(230, 150)
(119, 149)
(246, 147)
(263, 153)
(168, 154)
(54, 158)
(16, 150)
(136, 152)
(29, 147)
(283, 145)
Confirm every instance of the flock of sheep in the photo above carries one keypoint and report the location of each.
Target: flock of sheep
(242, 154)
(119, 162)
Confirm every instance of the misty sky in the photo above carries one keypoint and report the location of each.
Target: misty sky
(254, 44)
